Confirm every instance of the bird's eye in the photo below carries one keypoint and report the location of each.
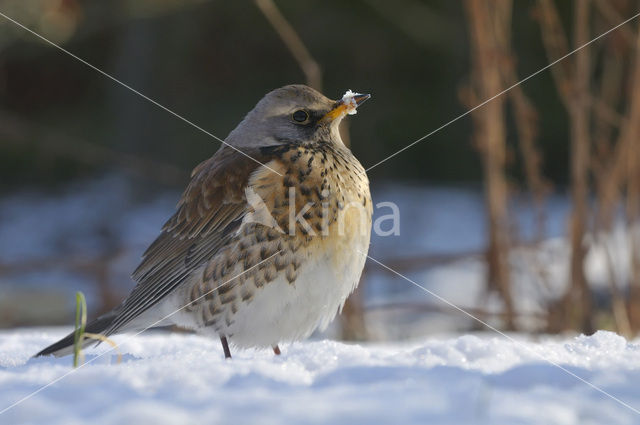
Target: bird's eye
(300, 115)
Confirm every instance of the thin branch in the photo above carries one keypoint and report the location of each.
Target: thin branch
(556, 44)
(488, 30)
(294, 43)
(613, 17)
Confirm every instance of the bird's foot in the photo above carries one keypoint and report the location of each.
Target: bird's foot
(225, 347)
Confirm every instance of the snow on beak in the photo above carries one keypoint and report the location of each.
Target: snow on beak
(346, 106)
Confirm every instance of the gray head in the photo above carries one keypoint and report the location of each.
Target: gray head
(294, 113)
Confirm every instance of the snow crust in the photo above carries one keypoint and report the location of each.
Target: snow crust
(177, 378)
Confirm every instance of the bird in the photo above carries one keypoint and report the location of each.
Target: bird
(268, 239)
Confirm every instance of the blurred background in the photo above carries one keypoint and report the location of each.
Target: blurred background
(524, 212)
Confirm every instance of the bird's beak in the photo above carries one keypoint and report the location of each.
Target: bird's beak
(359, 98)
(347, 105)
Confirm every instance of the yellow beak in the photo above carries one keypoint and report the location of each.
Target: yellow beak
(346, 105)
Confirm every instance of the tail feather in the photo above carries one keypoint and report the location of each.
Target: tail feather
(65, 345)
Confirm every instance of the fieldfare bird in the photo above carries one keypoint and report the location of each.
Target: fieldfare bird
(269, 237)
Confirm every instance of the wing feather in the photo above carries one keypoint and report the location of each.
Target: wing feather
(208, 214)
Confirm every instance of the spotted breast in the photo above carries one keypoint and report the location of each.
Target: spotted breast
(293, 257)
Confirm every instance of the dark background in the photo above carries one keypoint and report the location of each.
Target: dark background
(211, 61)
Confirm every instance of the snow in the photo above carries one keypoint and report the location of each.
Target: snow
(348, 99)
(180, 378)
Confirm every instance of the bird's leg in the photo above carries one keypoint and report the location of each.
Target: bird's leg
(276, 350)
(225, 347)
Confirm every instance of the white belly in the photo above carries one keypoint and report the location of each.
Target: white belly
(282, 312)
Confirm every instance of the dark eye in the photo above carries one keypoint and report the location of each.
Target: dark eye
(300, 115)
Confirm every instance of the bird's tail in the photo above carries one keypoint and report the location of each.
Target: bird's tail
(65, 345)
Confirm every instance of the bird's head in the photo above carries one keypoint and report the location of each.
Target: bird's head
(294, 113)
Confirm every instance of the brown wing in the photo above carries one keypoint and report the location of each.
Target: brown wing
(209, 212)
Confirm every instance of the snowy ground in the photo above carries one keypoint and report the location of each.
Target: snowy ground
(171, 378)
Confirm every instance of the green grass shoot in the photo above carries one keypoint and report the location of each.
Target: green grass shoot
(81, 323)
(80, 334)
